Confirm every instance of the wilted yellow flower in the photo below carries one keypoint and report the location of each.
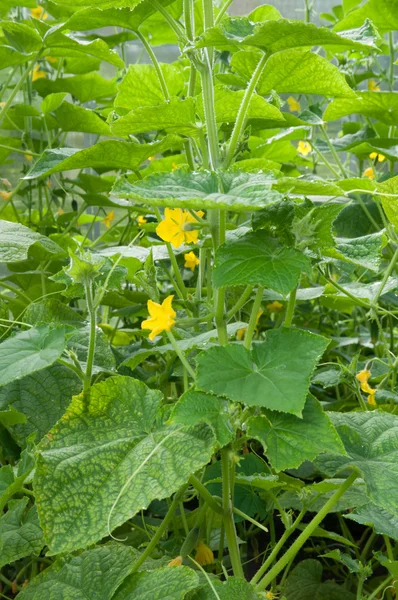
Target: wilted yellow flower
(141, 220)
(61, 211)
(204, 555)
(176, 562)
(372, 86)
(363, 378)
(191, 261)
(176, 229)
(162, 317)
(294, 105)
(372, 399)
(304, 148)
(369, 173)
(109, 218)
(275, 306)
(39, 13)
(5, 195)
(38, 73)
(28, 157)
(380, 157)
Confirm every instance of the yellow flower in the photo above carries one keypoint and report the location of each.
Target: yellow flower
(380, 157)
(294, 105)
(109, 218)
(28, 157)
(162, 317)
(5, 195)
(151, 158)
(51, 59)
(191, 261)
(204, 556)
(369, 173)
(275, 306)
(39, 13)
(175, 228)
(240, 334)
(372, 399)
(363, 378)
(304, 148)
(174, 166)
(141, 220)
(176, 562)
(372, 86)
(38, 73)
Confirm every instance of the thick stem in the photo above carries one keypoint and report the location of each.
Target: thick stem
(241, 117)
(241, 302)
(253, 317)
(308, 531)
(229, 524)
(210, 116)
(205, 494)
(290, 308)
(91, 345)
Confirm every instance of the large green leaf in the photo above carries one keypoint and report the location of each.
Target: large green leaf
(288, 440)
(365, 251)
(258, 259)
(9, 57)
(371, 443)
(390, 204)
(200, 190)
(30, 351)
(20, 533)
(232, 589)
(305, 583)
(177, 116)
(76, 118)
(42, 397)
(382, 521)
(95, 574)
(375, 105)
(293, 71)
(108, 458)
(275, 374)
(87, 87)
(161, 584)
(274, 36)
(16, 241)
(98, 3)
(382, 13)
(107, 155)
(196, 407)
(141, 86)
(21, 36)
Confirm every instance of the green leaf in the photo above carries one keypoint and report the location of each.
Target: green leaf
(307, 187)
(382, 521)
(274, 36)
(16, 240)
(270, 375)
(382, 106)
(365, 251)
(371, 442)
(10, 417)
(312, 225)
(109, 458)
(30, 351)
(305, 583)
(20, 533)
(264, 12)
(232, 589)
(163, 584)
(174, 115)
(64, 45)
(42, 397)
(52, 102)
(11, 58)
(382, 13)
(199, 190)
(288, 440)
(76, 118)
(227, 104)
(293, 71)
(141, 86)
(258, 259)
(228, 35)
(24, 38)
(196, 407)
(52, 311)
(107, 155)
(95, 574)
(84, 88)
(99, 3)
(7, 141)
(389, 202)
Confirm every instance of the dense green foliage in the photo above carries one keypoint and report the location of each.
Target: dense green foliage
(198, 302)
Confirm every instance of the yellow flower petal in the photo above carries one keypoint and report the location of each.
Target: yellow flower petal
(162, 317)
(109, 218)
(369, 173)
(38, 73)
(275, 306)
(372, 86)
(141, 220)
(191, 261)
(304, 148)
(204, 555)
(5, 195)
(39, 13)
(294, 105)
(175, 227)
(176, 562)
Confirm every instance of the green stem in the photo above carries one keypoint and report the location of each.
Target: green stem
(160, 531)
(176, 27)
(180, 355)
(253, 317)
(333, 152)
(308, 531)
(290, 307)
(221, 324)
(17, 88)
(223, 9)
(205, 494)
(387, 274)
(91, 345)
(12, 489)
(240, 303)
(380, 588)
(247, 518)
(156, 64)
(19, 151)
(229, 524)
(210, 116)
(241, 116)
